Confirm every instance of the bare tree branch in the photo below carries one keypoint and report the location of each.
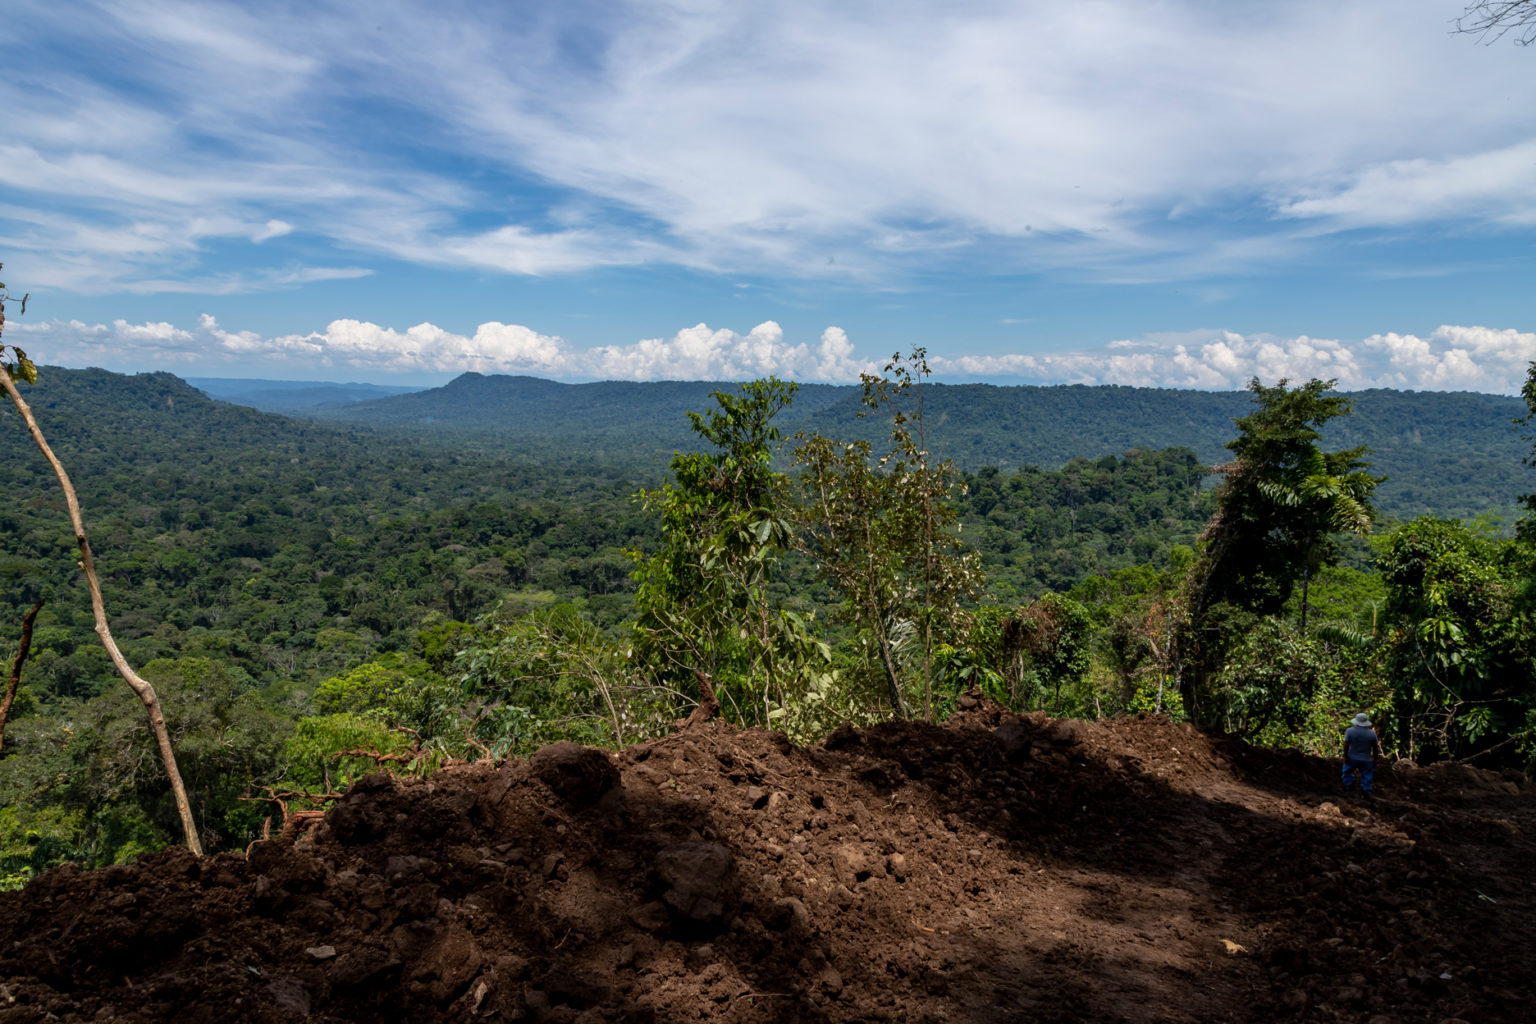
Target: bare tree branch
(1492, 20)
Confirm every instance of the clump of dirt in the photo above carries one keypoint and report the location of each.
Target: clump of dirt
(996, 867)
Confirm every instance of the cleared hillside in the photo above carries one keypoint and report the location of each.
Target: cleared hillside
(994, 868)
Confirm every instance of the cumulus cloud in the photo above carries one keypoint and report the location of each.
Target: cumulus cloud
(699, 353)
(694, 353)
(1449, 358)
(493, 348)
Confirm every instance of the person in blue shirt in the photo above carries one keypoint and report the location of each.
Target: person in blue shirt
(1361, 745)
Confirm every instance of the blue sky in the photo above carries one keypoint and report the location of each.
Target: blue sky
(1180, 193)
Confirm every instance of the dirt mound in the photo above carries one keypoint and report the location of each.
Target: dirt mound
(993, 868)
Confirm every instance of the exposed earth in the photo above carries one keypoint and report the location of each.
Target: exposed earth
(994, 868)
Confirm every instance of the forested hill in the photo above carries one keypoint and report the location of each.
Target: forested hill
(291, 397)
(624, 419)
(1453, 454)
(251, 529)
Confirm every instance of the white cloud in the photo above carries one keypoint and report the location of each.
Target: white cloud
(272, 229)
(695, 353)
(1499, 186)
(1455, 358)
(1450, 358)
(493, 348)
(699, 353)
(802, 137)
(259, 280)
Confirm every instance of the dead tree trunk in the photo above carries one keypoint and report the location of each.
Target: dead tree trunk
(16, 663)
(141, 687)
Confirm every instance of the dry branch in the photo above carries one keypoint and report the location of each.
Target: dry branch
(708, 706)
(294, 822)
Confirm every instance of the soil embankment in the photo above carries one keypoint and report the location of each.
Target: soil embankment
(994, 868)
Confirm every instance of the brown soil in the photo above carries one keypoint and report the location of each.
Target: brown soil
(995, 868)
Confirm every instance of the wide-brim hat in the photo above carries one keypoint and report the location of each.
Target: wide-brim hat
(1363, 720)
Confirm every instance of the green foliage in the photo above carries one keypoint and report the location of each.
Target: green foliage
(1269, 679)
(439, 642)
(369, 686)
(1352, 678)
(1147, 698)
(883, 534)
(1342, 597)
(1527, 526)
(287, 550)
(822, 700)
(1461, 636)
(92, 769)
(34, 838)
(1283, 501)
(311, 751)
(551, 675)
(1034, 658)
(19, 366)
(227, 741)
(1039, 530)
(1139, 614)
(703, 599)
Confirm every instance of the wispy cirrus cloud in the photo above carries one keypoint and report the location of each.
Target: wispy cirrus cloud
(1449, 358)
(1113, 140)
(1499, 185)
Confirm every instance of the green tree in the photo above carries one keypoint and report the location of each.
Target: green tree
(368, 687)
(316, 752)
(1283, 502)
(704, 597)
(883, 533)
(550, 675)
(1035, 652)
(96, 763)
(1461, 639)
(1527, 526)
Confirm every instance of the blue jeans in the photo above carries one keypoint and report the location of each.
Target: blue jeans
(1365, 769)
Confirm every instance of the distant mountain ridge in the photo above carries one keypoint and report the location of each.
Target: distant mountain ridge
(1449, 453)
(517, 403)
(292, 397)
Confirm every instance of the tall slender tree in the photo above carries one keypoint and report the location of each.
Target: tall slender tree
(882, 530)
(18, 365)
(1282, 505)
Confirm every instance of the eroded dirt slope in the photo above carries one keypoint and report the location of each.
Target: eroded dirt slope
(994, 868)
